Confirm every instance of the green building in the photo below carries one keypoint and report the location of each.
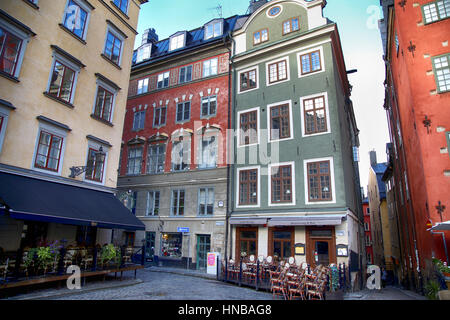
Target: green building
(294, 189)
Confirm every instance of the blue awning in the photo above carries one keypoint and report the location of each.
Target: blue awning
(27, 198)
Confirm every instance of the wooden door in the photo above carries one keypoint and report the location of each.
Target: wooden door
(320, 246)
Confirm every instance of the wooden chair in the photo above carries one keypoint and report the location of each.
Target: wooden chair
(298, 289)
(68, 258)
(233, 271)
(277, 284)
(127, 255)
(317, 293)
(249, 273)
(86, 259)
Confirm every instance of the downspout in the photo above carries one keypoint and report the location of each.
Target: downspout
(229, 168)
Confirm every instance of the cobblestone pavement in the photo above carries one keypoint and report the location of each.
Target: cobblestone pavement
(170, 286)
(388, 293)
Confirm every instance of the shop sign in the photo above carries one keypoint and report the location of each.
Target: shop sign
(183, 229)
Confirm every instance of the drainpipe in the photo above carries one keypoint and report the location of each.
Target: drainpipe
(229, 168)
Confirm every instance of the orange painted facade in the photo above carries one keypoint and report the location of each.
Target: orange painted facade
(419, 119)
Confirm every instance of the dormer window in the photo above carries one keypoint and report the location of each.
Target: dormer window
(213, 29)
(144, 52)
(177, 41)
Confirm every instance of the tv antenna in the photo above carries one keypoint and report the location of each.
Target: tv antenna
(218, 10)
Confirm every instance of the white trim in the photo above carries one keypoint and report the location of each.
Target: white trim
(299, 62)
(327, 114)
(305, 177)
(4, 112)
(239, 145)
(258, 203)
(269, 184)
(288, 71)
(291, 123)
(256, 67)
(96, 145)
(104, 85)
(117, 33)
(83, 6)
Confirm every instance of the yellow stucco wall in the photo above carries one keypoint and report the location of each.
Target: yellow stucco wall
(27, 95)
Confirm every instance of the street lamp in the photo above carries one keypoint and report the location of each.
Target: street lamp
(99, 157)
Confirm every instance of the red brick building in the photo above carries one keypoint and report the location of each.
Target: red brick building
(417, 53)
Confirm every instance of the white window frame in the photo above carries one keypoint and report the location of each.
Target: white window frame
(25, 39)
(156, 146)
(333, 184)
(184, 80)
(175, 43)
(185, 143)
(291, 123)
(164, 75)
(269, 183)
(142, 83)
(172, 196)
(327, 114)
(207, 193)
(52, 129)
(257, 79)
(147, 209)
(208, 66)
(258, 127)
(134, 120)
(214, 145)
(288, 71)
(258, 202)
(128, 160)
(299, 62)
(4, 113)
(118, 34)
(86, 8)
(213, 24)
(144, 52)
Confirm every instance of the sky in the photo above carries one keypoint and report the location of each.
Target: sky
(357, 22)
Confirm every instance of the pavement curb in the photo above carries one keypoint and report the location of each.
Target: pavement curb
(43, 296)
(179, 272)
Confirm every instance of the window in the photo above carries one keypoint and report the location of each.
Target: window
(248, 187)
(62, 82)
(163, 80)
(206, 201)
(246, 242)
(397, 42)
(104, 104)
(156, 158)
(181, 155)
(248, 125)
(280, 127)
(210, 67)
(213, 29)
(436, 10)
(290, 26)
(177, 42)
(183, 111)
(134, 161)
(442, 72)
(113, 47)
(368, 211)
(75, 19)
(94, 168)
(139, 120)
(281, 184)
(142, 86)
(10, 46)
(143, 52)
(447, 135)
(315, 118)
(171, 245)
(319, 181)
(366, 226)
(368, 241)
(122, 5)
(152, 203)
(48, 151)
(209, 106)
(248, 80)
(177, 202)
(310, 62)
(185, 74)
(282, 242)
(208, 152)
(277, 71)
(260, 36)
(159, 117)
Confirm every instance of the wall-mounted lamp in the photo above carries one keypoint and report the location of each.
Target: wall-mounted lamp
(99, 157)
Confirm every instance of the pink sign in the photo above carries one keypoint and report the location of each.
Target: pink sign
(211, 259)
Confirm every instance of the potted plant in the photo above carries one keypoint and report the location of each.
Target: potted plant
(108, 253)
(444, 269)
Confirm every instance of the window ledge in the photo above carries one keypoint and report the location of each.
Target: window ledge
(67, 104)
(93, 116)
(110, 61)
(9, 77)
(120, 10)
(31, 4)
(63, 27)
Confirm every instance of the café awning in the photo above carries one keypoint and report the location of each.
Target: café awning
(442, 226)
(248, 221)
(310, 220)
(27, 198)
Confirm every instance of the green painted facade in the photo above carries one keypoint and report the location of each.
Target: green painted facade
(337, 144)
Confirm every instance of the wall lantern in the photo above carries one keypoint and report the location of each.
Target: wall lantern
(99, 158)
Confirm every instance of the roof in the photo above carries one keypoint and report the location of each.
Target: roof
(379, 170)
(194, 39)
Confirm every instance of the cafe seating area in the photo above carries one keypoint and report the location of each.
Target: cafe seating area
(284, 278)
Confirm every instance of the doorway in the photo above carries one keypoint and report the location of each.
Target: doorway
(150, 245)
(321, 246)
(281, 242)
(203, 247)
(246, 242)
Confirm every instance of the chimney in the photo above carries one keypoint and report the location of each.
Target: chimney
(149, 36)
(255, 4)
(373, 158)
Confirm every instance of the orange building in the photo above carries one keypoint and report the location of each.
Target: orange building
(417, 54)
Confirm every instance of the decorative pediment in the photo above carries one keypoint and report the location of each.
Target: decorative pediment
(158, 137)
(136, 140)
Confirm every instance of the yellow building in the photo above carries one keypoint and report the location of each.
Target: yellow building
(64, 74)
(379, 215)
